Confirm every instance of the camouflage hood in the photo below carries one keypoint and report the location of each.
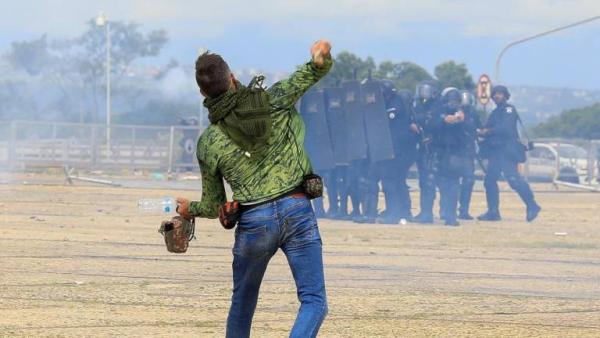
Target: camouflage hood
(243, 114)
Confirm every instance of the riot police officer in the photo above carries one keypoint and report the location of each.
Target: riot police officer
(337, 181)
(451, 156)
(426, 103)
(318, 141)
(377, 135)
(394, 172)
(467, 180)
(504, 151)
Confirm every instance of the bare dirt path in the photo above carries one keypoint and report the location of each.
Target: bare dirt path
(78, 261)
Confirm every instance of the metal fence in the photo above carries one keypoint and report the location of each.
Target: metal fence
(171, 148)
(26, 143)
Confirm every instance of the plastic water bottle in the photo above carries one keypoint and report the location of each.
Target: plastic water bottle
(162, 205)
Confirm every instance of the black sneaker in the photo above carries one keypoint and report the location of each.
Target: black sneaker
(465, 216)
(490, 216)
(533, 212)
(423, 219)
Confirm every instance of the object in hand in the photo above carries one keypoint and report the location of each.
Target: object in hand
(320, 51)
(312, 186)
(229, 214)
(460, 115)
(530, 145)
(177, 232)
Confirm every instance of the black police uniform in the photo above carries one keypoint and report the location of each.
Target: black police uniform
(424, 112)
(501, 144)
(467, 180)
(452, 160)
(394, 172)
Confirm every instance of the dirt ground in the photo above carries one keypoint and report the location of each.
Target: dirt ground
(79, 261)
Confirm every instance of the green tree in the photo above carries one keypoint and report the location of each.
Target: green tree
(76, 67)
(348, 66)
(406, 75)
(451, 74)
(575, 123)
(31, 56)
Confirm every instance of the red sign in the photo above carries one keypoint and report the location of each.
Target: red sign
(484, 89)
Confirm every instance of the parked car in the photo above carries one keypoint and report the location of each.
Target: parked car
(563, 161)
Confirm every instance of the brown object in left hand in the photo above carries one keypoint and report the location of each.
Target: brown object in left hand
(229, 214)
(178, 232)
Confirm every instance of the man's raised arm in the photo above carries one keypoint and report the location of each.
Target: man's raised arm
(286, 93)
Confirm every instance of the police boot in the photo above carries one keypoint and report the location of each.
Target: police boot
(363, 220)
(533, 211)
(490, 215)
(370, 219)
(370, 213)
(387, 218)
(462, 214)
(407, 218)
(423, 218)
(451, 223)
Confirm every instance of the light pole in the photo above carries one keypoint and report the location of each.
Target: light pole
(102, 20)
(539, 35)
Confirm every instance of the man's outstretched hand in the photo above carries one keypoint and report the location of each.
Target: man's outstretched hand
(320, 51)
(183, 207)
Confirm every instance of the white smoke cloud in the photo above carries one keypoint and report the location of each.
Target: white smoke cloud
(177, 84)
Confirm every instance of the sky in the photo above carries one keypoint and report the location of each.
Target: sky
(275, 36)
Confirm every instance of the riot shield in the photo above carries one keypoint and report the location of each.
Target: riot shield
(336, 119)
(355, 126)
(377, 125)
(317, 141)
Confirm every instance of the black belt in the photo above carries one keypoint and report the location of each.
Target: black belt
(296, 191)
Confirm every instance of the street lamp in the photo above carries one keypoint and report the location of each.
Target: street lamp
(101, 21)
(539, 35)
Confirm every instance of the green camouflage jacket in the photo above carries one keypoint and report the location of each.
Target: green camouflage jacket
(258, 178)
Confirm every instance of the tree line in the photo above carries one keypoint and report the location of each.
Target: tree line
(63, 80)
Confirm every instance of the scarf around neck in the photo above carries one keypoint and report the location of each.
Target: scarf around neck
(243, 114)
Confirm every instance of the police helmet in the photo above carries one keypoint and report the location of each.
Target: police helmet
(451, 94)
(501, 89)
(388, 88)
(426, 90)
(446, 90)
(467, 98)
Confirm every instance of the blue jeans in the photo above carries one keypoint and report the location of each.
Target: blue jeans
(288, 223)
